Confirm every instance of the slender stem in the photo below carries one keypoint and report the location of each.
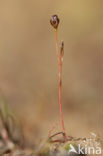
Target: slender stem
(60, 83)
(56, 39)
(60, 98)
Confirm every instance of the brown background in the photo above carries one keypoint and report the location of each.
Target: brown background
(28, 67)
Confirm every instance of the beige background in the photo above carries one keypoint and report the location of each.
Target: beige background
(28, 67)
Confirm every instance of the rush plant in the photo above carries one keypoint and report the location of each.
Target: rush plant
(59, 54)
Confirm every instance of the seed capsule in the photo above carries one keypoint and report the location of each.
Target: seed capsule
(54, 21)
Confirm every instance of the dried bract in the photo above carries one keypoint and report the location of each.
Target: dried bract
(62, 49)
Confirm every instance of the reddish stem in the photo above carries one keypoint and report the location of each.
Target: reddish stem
(60, 97)
(56, 39)
(60, 83)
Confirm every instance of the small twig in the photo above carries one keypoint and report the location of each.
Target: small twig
(51, 130)
(55, 135)
(58, 140)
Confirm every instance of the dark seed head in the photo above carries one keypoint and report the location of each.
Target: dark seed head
(54, 21)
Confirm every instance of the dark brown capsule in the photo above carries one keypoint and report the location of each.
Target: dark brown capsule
(54, 21)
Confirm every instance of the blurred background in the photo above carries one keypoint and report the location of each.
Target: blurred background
(29, 70)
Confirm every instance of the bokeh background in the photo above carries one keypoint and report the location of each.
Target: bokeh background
(29, 71)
